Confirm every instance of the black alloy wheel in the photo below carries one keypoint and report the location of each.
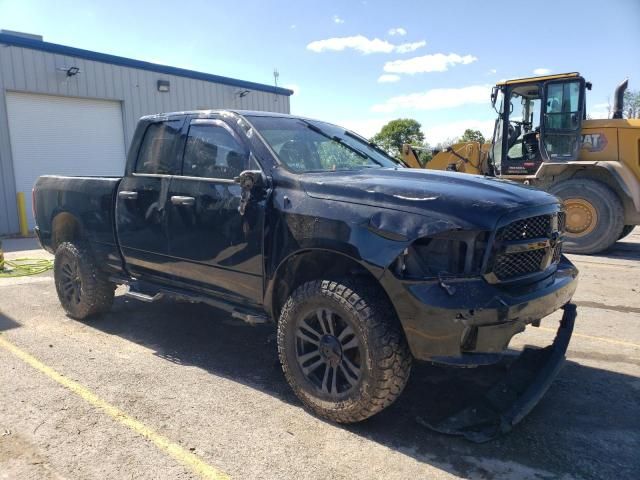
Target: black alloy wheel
(70, 281)
(328, 352)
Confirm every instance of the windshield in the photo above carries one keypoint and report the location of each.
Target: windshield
(312, 146)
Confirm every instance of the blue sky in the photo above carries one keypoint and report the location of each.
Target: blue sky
(439, 58)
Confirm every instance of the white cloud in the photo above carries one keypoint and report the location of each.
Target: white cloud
(357, 42)
(397, 31)
(493, 71)
(437, 62)
(541, 71)
(362, 44)
(436, 98)
(337, 19)
(293, 26)
(388, 78)
(441, 132)
(410, 47)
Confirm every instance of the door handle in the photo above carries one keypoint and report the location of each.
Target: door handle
(179, 200)
(126, 195)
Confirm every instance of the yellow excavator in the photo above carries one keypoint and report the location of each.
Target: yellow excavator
(542, 138)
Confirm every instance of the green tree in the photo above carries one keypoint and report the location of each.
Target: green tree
(403, 130)
(470, 135)
(632, 104)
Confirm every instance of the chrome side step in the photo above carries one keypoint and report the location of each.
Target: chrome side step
(250, 318)
(143, 297)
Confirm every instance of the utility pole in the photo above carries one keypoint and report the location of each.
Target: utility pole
(276, 74)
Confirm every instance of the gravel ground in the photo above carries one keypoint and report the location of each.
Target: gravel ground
(213, 388)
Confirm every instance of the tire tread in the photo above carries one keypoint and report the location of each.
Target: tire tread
(391, 357)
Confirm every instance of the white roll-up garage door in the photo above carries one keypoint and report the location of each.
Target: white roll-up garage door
(53, 135)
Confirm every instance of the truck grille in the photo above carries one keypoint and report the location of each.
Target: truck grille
(534, 227)
(516, 264)
(526, 246)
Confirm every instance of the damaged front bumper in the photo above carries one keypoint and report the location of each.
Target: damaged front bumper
(508, 401)
(468, 321)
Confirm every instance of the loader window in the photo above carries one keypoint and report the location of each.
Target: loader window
(562, 105)
(562, 119)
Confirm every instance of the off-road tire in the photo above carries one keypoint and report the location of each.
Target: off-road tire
(626, 231)
(610, 214)
(95, 294)
(385, 357)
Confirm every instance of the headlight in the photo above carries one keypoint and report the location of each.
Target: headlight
(454, 253)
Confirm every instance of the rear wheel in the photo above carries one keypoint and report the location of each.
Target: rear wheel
(82, 288)
(594, 215)
(342, 350)
(626, 231)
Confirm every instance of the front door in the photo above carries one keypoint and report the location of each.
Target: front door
(141, 204)
(212, 245)
(562, 115)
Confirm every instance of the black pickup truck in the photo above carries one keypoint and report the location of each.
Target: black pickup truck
(362, 264)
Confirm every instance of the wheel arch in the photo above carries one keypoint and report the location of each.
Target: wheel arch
(618, 177)
(65, 227)
(314, 264)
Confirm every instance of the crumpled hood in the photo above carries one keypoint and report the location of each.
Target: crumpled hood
(473, 199)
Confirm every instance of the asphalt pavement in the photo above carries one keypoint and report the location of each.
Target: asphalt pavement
(178, 390)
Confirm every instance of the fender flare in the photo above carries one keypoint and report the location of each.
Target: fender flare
(620, 173)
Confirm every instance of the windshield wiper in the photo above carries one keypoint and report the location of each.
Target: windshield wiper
(337, 139)
(372, 145)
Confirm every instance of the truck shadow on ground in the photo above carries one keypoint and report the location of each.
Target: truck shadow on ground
(587, 425)
(625, 249)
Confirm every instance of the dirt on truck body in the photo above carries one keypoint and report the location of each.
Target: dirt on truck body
(364, 266)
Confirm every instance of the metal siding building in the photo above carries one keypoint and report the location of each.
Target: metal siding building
(82, 124)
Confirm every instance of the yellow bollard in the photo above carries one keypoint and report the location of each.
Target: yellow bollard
(22, 215)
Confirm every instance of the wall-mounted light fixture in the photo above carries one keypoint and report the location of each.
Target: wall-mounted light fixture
(243, 93)
(163, 85)
(70, 71)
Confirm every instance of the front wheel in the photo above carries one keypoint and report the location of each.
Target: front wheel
(342, 350)
(82, 288)
(595, 217)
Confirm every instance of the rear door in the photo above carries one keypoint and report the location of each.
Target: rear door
(562, 114)
(142, 199)
(212, 246)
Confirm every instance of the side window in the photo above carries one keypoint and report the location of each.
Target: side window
(562, 105)
(334, 156)
(212, 152)
(562, 120)
(158, 150)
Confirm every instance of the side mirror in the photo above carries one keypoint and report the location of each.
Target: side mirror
(249, 179)
(494, 96)
(252, 184)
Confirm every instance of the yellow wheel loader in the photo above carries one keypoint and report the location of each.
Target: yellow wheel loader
(543, 138)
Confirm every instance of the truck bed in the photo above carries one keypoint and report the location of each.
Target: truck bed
(87, 203)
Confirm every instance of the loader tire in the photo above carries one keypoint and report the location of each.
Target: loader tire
(342, 349)
(626, 231)
(595, 217)
(83, 290)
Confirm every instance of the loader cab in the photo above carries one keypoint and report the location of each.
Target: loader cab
(539, 120)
